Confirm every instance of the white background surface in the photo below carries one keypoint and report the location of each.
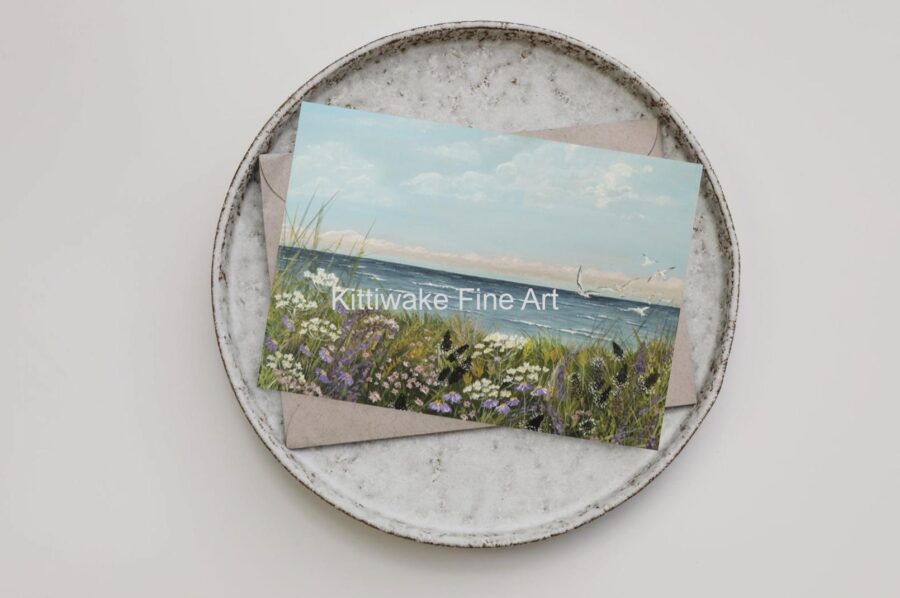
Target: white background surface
(126, 465)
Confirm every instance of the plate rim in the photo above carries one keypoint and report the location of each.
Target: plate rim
(708, 394)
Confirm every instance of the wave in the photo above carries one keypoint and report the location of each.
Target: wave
(526, 322)
(436, 286)
(598, 318)
(578, 332)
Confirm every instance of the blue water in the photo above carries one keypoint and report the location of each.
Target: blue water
(576, 320)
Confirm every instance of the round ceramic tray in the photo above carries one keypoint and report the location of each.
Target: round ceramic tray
(496, 486)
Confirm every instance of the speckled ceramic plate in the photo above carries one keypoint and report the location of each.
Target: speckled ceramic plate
(496, 486)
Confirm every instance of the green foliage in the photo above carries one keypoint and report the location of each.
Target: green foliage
(418, 361)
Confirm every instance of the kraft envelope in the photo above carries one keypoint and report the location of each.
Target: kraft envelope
(318, 421)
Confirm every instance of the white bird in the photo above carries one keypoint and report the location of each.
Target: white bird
(580, 286)
(641, 311)
(616, 289)
(661, 274)
(619, 288)
(648, 261)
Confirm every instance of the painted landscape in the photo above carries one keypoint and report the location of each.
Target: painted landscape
(596, 366)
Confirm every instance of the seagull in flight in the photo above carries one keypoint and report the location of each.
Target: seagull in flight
(641, 311)
(619, 288)
(648, 261)
(616, 289)
(661, 274)
(580, 286)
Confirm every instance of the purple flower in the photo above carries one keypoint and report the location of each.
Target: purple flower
(489, 404)
(322, 376)
(523, 387)
(539, 392)
(620, 435)
(640, 362)
(346, 378)
(452, 397)
(502, 408)
(271, 345)
(304, 350)
(514, 402)
(560, 375)
(439, 406)
(555, 421)
(324, 356)
(286, 322)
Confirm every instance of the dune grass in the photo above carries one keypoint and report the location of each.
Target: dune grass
(418, 361)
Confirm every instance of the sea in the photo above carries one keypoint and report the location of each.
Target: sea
(577, 320)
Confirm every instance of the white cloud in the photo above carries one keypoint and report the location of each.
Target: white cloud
(459, 151)
(333, 168)
(613, 185)
(543, 176)
(467, 186)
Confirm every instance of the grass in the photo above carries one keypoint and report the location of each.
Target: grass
(418, 361)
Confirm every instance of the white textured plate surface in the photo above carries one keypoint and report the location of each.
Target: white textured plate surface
(495, 486)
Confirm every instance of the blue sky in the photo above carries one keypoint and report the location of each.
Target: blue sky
(443, 190)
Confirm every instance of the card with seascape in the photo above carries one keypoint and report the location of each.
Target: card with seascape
(499, 279)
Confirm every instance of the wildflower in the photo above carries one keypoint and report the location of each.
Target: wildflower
(304, 350)
(452, 397)
(322, 376)
(497, 342)
(539, 392)
(287, 323)
(640, 364)
(374, 397)
(439, 405)
(346, 378)
(321, 278)
(271, 345)
(382, 322)
(319, 329)
(324, 356)
(490, 403)
(513, 402)
(286, 369)
(481, 389)
(502, 408)
(293, 302)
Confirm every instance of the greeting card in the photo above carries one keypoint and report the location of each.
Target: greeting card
(495, 278)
